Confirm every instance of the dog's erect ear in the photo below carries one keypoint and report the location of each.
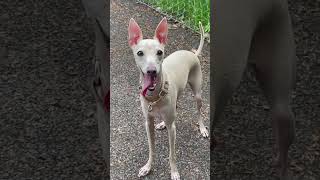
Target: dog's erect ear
(162, 31)
(135, 34)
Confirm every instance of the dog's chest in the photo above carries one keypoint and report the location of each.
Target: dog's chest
(154, 110)
(157, 109)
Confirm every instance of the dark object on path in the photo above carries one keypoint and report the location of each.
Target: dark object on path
(98, 9)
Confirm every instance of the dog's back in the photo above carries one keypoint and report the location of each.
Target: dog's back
(180, 67)
(184, 67)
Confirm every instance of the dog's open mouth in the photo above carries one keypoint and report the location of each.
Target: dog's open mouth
(151, 88)
(149, 83)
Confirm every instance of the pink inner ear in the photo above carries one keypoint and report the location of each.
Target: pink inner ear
(162, 31)
(135, 34)
(162, 38)
(134, 39)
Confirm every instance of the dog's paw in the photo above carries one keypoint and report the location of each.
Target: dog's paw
(204, 132)
(144, 170)
(175, 176)
(160, 126)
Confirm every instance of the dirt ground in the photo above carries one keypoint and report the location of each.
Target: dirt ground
(47, 128)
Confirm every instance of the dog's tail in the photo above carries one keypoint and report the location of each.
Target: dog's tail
(201, 40)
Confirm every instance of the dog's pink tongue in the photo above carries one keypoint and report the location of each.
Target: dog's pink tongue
(147, 82)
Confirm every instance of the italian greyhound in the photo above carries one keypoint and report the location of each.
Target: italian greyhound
(257, 32)
(162, 82)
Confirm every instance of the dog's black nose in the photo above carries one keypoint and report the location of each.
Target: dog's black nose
(151, 72)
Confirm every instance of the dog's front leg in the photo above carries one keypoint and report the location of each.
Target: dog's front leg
(170, 123)
(151, 141)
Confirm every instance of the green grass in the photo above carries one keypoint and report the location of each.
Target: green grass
(190, 12)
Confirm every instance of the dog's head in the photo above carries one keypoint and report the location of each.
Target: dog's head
(148, 53)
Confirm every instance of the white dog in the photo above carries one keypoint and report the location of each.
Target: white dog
(163, 80)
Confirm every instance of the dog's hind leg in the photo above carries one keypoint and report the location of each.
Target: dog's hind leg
(275, 71)
(195, 82)
(161, 125)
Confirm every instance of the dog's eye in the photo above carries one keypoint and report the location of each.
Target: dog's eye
(159, 52)
(140, 53)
